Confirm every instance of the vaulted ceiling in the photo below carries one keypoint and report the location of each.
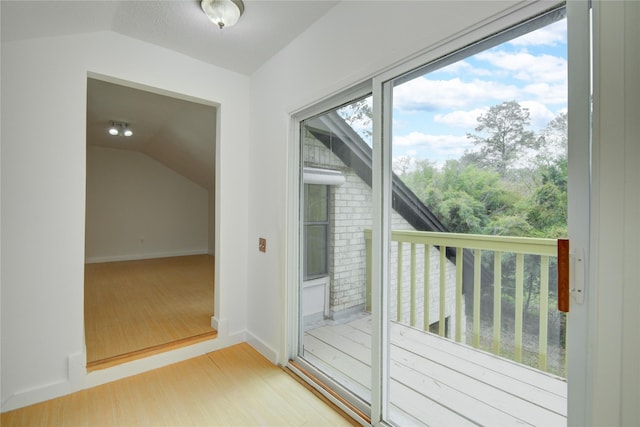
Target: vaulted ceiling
(265, 27)
(176, 132)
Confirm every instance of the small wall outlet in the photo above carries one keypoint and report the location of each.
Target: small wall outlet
(262, 244)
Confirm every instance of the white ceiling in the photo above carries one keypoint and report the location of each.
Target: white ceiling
(265, 27)
(177, 133)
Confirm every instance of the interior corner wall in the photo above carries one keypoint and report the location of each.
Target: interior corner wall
(137, 208)
(44, 97)
(352, 42)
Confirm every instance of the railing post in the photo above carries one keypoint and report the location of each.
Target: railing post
(399, 285)
(459, 263)
(413, 284)
(477, 264)
(544, 312)
(519, 306)
(497, 301)
(367, 246)
(443, 289)
(427, 286)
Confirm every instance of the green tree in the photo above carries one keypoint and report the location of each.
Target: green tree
(548, 206)
(359, 115)
(504, 134)
(553, 141)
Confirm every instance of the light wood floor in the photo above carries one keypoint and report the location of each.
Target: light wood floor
(141, 305)
(235, 386)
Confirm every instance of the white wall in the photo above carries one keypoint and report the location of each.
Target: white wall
(138, 208)
(43, 196)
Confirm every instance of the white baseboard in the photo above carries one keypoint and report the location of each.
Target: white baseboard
(262, 348)
(79, 379)
(135, 257)
(76, 373)
(220, 325)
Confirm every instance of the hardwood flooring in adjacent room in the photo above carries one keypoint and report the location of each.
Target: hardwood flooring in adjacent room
(234, 386)
(133, 306)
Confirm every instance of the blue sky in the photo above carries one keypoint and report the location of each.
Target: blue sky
(433, 113)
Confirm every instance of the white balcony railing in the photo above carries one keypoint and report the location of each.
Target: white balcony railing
(507, 256)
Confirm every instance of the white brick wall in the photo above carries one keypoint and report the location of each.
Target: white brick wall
(350, 214)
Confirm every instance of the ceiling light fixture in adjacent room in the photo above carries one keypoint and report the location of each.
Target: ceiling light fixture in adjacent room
(118, 128)
(223, 13)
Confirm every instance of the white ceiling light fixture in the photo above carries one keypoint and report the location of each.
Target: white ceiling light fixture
(223, 13)
(118, 128)
(113, 129)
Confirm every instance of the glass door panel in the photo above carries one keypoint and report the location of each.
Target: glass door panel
(335, 320)
(479, 195)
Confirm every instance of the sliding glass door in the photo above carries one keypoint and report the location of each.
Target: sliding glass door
(336, 222)
(429, 214)
(478, 199)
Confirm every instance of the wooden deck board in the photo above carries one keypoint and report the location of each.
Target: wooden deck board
(407, 401)
(483, 373)
(343, 363)
(444, 382)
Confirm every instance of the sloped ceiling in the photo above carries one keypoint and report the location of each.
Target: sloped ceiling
(177, 133)
(180, 134)
(265, 28)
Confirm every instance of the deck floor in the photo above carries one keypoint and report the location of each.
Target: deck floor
(439, 382)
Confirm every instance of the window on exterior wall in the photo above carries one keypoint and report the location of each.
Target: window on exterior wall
(316, 229)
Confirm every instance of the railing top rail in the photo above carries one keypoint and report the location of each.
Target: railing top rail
(524, 245)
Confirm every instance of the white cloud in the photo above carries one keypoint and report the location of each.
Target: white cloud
(539, 114)
(431, 95)
(448, 146)
(527, 67)
(548, 93)
(463, 67)
(551, 35)
(460, 118)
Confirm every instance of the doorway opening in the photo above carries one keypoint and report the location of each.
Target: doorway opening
(149, 223)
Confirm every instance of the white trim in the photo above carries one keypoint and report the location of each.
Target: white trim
(580, 372)
(220, 325)
(263, 348)
(79, 379)
(293, 259)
